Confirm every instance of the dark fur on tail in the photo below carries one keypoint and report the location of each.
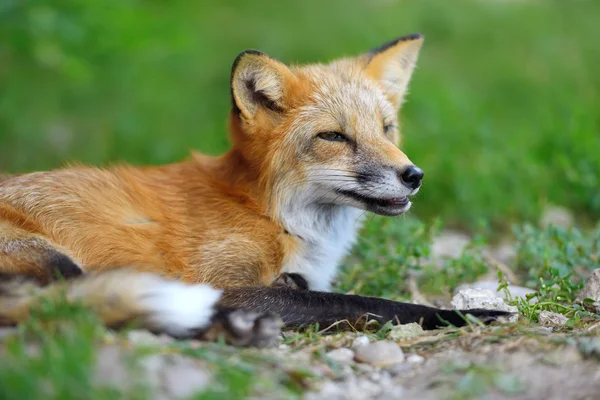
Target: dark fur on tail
(299, 307)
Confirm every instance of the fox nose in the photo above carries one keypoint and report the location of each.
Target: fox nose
(412, 176)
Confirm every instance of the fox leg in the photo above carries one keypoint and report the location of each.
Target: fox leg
(291, 281)
(25, 252)
(37, 259)
(299, 307)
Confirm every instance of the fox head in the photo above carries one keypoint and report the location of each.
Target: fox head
(327, 134)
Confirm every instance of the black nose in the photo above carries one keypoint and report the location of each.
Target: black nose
(412, 176)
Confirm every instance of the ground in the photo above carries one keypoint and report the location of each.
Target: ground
(65, 353)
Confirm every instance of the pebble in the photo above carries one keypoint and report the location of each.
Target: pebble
(591, 290)
(548, 318)
(341, 355)
(405, 331)
(382, 354)
(361, 340)
(415, 359)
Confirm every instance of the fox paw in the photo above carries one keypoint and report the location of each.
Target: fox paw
(291, 281)
(244, 327)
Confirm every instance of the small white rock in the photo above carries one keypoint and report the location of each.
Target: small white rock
(382, 354)
(482, 298)
(548, 318)
(405, 331)
(415, 359)
(361, 340)
(341, 355)
(591, 290)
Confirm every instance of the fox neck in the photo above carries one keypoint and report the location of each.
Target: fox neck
(325, 234)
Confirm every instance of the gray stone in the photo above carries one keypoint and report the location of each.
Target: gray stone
(405, 331)
(361, 340)
(382, 354)
(415, 359)
(341, 355)
(591, 290)
(548, 318)
(482, 298)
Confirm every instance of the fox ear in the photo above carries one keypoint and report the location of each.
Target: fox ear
(392, 65)
(258, 81)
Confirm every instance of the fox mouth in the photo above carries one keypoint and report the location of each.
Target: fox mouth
(391, 206)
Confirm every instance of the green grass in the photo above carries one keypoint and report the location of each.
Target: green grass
(52, 356)
(553, 261)
(503, 113)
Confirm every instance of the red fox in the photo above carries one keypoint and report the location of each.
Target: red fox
(184, 248)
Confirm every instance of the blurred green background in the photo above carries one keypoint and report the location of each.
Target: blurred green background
(503, 114)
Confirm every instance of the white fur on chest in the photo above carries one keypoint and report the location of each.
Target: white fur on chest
(326, 235)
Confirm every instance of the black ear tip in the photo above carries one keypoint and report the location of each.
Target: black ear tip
(407, 38)
(243, 54)
(411, 37)
(236, 62)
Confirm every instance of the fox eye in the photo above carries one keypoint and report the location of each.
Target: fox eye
(388, 128)
(332, 136)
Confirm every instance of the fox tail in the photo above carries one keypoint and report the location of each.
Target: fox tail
(119, 297)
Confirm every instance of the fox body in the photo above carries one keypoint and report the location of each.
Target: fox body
(313, 148)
